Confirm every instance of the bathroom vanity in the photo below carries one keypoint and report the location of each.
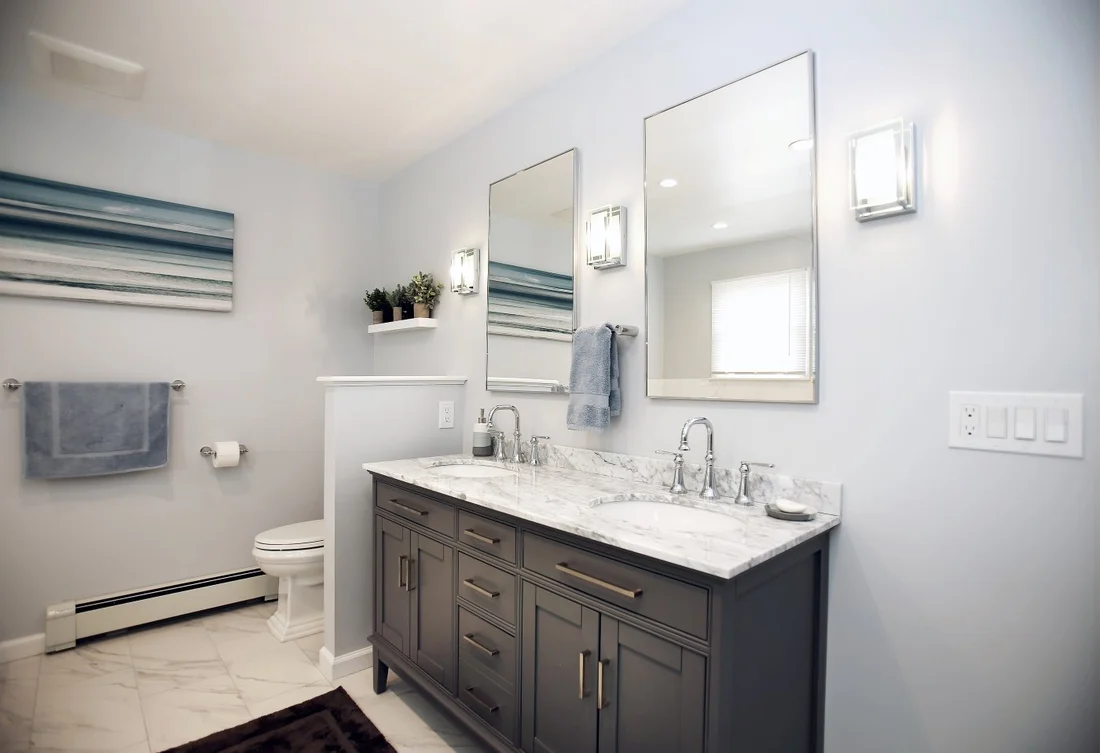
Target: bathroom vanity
(552, 610)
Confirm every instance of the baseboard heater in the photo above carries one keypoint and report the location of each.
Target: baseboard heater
(70, 621)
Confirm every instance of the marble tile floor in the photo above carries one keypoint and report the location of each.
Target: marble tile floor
(153, 688)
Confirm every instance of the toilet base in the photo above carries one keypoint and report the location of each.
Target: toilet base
(301, 609)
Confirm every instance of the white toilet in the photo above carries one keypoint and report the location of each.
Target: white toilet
(295, 554)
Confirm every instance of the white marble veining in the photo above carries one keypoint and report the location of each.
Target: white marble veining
(159, 687)
(564, 497)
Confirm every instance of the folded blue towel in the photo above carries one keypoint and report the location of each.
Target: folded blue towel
(594, 396)
(94, 428)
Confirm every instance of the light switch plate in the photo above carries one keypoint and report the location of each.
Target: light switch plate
(1031, 419)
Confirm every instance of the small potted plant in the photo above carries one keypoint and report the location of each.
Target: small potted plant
(401, 302)
(424, 291)
(378, 303)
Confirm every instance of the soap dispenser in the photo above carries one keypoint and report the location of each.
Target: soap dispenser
(483, 440)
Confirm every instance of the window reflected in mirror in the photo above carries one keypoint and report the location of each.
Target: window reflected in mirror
(730, 255)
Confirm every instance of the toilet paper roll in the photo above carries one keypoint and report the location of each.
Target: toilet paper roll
(227, 454)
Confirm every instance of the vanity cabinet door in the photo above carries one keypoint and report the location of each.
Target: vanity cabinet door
(431, 585)
(560, 647)
(652, 692)
(392, 550)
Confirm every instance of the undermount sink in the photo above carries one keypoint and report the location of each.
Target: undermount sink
(472, 471)
(666, 515)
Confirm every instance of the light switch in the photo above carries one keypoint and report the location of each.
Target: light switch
(1054, 429)
(996, 422)
(1025, 423)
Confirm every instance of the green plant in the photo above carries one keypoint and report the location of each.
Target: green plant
(399, 296)
(425, 290)
(376, 299)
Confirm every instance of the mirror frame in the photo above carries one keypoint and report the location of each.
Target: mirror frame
(530, 386)
(753, 390)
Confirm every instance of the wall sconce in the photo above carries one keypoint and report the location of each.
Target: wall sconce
(465, 268)
(607, 237)
(882, 166)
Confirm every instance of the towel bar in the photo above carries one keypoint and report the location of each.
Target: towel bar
(11, 385)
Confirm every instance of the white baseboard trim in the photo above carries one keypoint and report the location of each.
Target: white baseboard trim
(22, 648)
(335, 667)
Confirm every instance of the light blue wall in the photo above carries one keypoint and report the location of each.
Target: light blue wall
(302, 245)
(963, 604)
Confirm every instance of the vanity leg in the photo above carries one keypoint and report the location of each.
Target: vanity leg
(381, 675)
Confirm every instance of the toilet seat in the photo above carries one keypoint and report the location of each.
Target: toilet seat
(294, 537)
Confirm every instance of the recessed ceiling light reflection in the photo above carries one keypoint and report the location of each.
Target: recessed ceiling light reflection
(669, 183)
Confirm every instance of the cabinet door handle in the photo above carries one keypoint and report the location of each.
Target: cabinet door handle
(469, 638)
(409, 576)
(489, 708)
(630, 593)
(583, 659)
(478, 589)
(479, 537)
(406, 508)
(403, 572)
(600, 702)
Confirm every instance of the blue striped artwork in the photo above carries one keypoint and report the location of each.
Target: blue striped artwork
(63, 241)
(525, 302)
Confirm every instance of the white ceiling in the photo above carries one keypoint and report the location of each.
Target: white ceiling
(363, 87)
(729, 151)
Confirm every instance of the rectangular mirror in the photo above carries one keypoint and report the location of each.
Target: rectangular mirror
(731, 261)
(532, 238)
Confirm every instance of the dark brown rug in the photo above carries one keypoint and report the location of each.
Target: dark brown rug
(329, 722)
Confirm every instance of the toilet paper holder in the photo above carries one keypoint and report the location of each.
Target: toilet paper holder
(206, 451)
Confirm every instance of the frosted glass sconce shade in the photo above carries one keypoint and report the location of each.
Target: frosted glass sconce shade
(465, 268)
(607, 237)
(882, 169)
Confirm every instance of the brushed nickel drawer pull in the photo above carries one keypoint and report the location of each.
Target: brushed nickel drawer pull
(630, 593)
(600, 702)
(409, 576)
(490, 709)
(403, 572)
(581, 692)
(483, 539)
(406, 508)
(469, 638)
(469, 583)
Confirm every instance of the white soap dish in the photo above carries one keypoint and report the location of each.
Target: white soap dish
(775, 510)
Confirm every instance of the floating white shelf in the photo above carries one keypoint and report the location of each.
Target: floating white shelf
(404, 324)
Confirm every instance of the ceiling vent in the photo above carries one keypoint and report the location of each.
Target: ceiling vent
(78, 65)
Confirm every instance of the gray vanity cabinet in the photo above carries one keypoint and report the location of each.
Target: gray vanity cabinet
(538, 641)
(653, 692)
(415, 576)
(560, 648)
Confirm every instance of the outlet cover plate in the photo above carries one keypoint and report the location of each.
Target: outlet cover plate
(446, 414)
(961, 424)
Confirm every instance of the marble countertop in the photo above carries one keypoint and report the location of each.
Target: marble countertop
(570, 500)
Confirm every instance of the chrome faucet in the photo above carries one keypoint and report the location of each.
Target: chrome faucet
(515, 434)
(707, 492)
(677, 486)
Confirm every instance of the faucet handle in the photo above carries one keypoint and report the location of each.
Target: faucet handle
(746, 463)
(677, 456)
(677, 486)
(534, 460)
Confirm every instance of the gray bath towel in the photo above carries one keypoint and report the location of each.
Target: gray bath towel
(94, 428)
(594, 395)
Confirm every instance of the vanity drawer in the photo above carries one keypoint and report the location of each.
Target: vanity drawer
(491, 537)
(488, 700)
(488, 647)
(491, 588)
(658, 597)
(438, 516)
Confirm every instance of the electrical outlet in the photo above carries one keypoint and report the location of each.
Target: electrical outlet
(446, 414)
(971, 420)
